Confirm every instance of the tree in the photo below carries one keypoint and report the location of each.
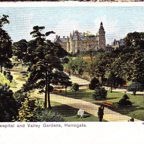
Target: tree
(111, 80)
(100, 94)
(5, 44)
(80, 64)
(65, 81)
(124, 101)
(29, 111)
(136, 86)
(94, 83)
(101, 65)
(8, 76)
(45, 60)
(8, 104)
(75, 87)
(20, 48)
(133, 39)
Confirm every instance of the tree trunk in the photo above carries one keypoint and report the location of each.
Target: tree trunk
(49, 105)
(111, 88)
(46, 97)
(134, 92)
(65, 90)
(102, 78)
(1, 67)
(46, 93)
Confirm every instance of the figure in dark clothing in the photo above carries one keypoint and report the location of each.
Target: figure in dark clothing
(69, 73)
(101, 113)
(132, 119)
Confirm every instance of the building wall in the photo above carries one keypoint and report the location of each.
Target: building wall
(88, 43)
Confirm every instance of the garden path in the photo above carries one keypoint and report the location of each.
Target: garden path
(109, 115)
(91, 108)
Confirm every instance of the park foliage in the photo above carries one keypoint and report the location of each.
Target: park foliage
(46, 61)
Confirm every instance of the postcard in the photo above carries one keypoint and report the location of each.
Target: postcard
(71, 72)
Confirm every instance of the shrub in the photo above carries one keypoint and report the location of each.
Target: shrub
(94, 83)
(30, 110)
(20, 97)
(136, 86)
(50, 116)
(75, 87)
(100, 94)
(124, 101)
(8, 105)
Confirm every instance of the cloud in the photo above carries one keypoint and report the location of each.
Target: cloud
(64, 27)
(110, 26)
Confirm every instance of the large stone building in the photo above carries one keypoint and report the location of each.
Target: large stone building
(81, 42)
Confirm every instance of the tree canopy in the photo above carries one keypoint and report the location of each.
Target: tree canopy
(20, 48)
(5, 44)
(46, 67)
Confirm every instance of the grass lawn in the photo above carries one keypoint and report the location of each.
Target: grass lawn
(70, 114)
(136, 110)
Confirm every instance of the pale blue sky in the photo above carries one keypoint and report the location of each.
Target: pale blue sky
(117, 21)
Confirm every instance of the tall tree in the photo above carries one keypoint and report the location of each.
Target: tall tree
(8, 104)
(45, 61)
(5, 44)
(20, 48)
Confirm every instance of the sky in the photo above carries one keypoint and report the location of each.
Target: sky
(117, 20)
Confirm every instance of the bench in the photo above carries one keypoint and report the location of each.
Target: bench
(107, 103)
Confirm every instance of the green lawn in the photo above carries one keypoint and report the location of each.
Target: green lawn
(70, 114)
(137, 100)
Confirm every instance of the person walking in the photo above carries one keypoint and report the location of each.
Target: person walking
(101, 113)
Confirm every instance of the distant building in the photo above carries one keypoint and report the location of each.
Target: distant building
(81, 42)
(109, 48)
(117, 43)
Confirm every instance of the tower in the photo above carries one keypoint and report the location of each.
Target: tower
(101, 37)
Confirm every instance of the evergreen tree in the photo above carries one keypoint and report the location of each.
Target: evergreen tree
(45, 60)
(5, 44)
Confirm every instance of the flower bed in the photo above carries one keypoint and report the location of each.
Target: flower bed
(58, 91)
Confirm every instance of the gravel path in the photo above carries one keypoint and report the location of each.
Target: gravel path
(77, 103)
(109, 115)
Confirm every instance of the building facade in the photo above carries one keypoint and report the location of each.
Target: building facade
(82, 42)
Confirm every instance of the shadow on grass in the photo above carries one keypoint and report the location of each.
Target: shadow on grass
(70, 114)
(122, 109)
(137, 95)
(112, 98)
(77, 95)
(67, 111)
(128, 109)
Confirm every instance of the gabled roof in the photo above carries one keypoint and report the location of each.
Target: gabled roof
(60, 40)
(63, 39)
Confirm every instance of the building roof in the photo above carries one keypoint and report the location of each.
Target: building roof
(60, 39)
(101, 26)
(75, 35)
